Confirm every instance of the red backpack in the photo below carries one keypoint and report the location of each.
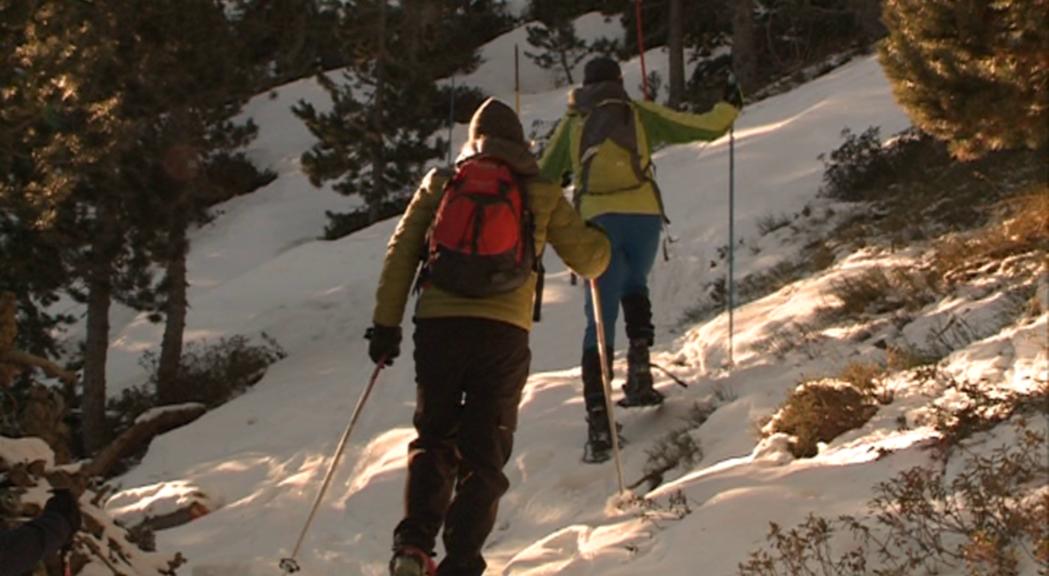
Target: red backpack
(481, 242)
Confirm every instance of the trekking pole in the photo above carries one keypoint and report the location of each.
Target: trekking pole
(731, 239)
(641, 48)
(517, 81)
(606, 380)
(451, 120)
(289, 565)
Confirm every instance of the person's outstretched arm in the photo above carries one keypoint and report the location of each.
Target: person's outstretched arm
(665, 126)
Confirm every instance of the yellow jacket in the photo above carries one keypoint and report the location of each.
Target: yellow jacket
(583, 248)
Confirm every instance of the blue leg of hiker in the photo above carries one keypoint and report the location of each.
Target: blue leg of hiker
(640, 254)
(635, 244)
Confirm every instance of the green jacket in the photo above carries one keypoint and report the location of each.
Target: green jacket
(656, 126)
(584, 249)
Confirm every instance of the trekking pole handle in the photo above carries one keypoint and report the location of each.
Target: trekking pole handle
(289, 565)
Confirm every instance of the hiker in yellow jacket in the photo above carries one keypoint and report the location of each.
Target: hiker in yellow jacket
(606, 141)
(471, 354)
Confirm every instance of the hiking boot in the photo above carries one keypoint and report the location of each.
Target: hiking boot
(639, 390)
(411, 561)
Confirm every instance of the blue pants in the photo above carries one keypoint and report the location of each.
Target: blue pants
(635, 243)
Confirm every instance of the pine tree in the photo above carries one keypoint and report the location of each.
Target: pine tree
(377, 138)
(109, 135)
(289, 39)
(29, 255)
(555, 38)
(67, 182)
(972, 73)
(676, 46)
(198, 80)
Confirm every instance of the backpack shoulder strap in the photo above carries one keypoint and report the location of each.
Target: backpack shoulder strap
(437, 181)
(537, 263)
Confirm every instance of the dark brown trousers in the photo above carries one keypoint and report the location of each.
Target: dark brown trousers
(469, 376)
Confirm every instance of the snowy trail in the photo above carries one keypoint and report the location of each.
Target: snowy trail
(262, 456)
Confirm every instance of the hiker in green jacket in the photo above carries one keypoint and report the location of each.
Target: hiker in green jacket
(606, 141)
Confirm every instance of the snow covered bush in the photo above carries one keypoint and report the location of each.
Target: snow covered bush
(209, 373)
(213, 373)
(988, 518)
(856, 165)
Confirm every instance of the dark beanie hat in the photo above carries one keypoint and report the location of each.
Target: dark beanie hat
(601, 69)
(497, 120)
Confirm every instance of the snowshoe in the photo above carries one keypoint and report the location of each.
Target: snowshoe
(598, 447)
(411, 561)
(640, 397)
(596, 453)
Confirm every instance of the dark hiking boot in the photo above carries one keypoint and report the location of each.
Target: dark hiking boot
(638, 389)
(598, 446)
(411, 561)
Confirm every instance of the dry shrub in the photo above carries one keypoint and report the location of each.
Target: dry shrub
(1021, 228)
(867, 377)
(676, 448)
(878, 290)
(864, 376)
(899, 358)
(988, 518)
(977, 407)
(820, 411)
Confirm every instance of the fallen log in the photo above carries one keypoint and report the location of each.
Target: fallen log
(149, 425)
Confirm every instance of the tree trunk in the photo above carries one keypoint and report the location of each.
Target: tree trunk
(175, 312)
(418, 29)
(567, 68)
(677, 55)
(378, 144)
(100, 293)
(744, 57)
(868, 17)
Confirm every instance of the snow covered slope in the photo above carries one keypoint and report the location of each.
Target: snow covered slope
(261, 457)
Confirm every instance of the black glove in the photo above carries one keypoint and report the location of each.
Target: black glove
(733, 93)
(384, 343)
(64, 504)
